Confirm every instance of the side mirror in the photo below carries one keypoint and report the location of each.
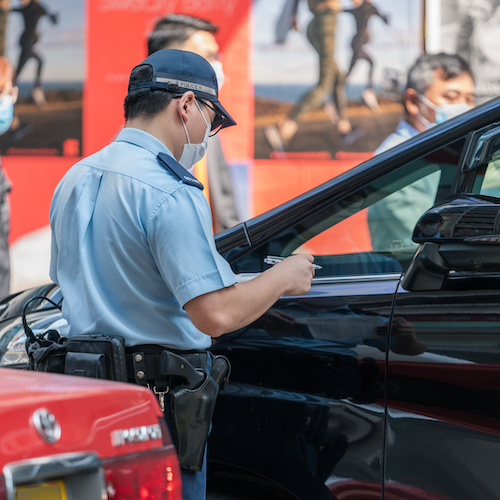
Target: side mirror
(462, 234)
(463, 217)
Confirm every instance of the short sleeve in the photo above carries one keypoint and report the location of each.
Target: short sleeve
(183, 246)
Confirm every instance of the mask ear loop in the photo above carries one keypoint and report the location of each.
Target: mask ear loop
(209, 125)
(204, 119)
(203, 116)
(185, 128)
(425, 122)
(428, 103)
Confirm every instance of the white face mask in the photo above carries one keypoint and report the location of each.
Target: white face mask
(443, 112)
(219, 73)
(193, 153)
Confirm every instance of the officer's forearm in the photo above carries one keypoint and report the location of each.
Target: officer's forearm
(234, 307)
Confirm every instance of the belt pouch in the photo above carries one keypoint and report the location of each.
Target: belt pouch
(84, 364)
(111, 348)
(47, 353)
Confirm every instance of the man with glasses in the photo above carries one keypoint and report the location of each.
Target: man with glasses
(132, 243)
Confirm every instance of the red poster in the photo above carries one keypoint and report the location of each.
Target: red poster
(117, 33)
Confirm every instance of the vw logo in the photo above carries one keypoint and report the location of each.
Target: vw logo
(47, 426)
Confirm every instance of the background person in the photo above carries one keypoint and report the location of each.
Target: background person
(132, 244)
(439, 86)
(478, 42)
(430, 226)
(321, 33)
(8, 97)
(362, 12)
(32, 11)
(179, 31)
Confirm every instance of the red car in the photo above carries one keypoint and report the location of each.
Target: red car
(75, 438)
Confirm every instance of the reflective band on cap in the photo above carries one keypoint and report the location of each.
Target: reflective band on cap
(187, 85)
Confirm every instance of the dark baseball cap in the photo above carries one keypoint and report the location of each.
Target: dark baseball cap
(178, 71)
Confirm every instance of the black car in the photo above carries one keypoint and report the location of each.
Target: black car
(384, 380)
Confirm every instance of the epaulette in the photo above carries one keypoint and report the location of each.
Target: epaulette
(178, 170)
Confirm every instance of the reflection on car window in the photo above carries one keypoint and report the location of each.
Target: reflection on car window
(491, 183)
(368, 232)
(487, 160)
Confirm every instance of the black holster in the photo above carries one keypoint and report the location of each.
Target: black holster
(192, 411)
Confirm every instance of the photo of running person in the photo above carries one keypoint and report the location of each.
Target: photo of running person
(32, 11)
(362, 12)
(329, 92)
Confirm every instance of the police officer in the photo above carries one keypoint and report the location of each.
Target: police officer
(132, 244)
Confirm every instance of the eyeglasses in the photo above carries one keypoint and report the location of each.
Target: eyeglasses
(217, 122)
(219, 119)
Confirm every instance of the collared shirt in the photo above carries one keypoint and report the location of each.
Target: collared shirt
(131, 244)
(404, 131)
(391, 220)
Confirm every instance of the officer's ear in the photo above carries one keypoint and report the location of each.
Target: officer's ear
(184, 106)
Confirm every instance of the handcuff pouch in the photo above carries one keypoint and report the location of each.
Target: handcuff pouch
(96, 355)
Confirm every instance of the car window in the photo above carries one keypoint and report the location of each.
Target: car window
(368, 232)
(484, 174)
(487, 180)
(491, 182)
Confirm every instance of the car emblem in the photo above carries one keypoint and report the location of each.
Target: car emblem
(136, 435)
(47, 426)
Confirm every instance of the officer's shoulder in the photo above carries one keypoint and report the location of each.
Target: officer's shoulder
(171, 165)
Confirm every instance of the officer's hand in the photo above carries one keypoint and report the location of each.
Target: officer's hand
(299, 273)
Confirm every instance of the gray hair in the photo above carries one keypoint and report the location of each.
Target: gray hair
(421, 74)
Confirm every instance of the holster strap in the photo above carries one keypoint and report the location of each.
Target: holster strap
(143, 368)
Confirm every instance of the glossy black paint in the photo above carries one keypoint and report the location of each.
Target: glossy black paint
(444, 403)
(309, 398)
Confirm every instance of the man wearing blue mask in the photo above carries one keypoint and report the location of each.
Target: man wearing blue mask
(132, 243)
(439, 87)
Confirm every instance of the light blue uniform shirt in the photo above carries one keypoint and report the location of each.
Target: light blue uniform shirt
(131, 244)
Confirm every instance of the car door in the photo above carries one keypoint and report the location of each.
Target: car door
(443, 425)
(305, 407)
